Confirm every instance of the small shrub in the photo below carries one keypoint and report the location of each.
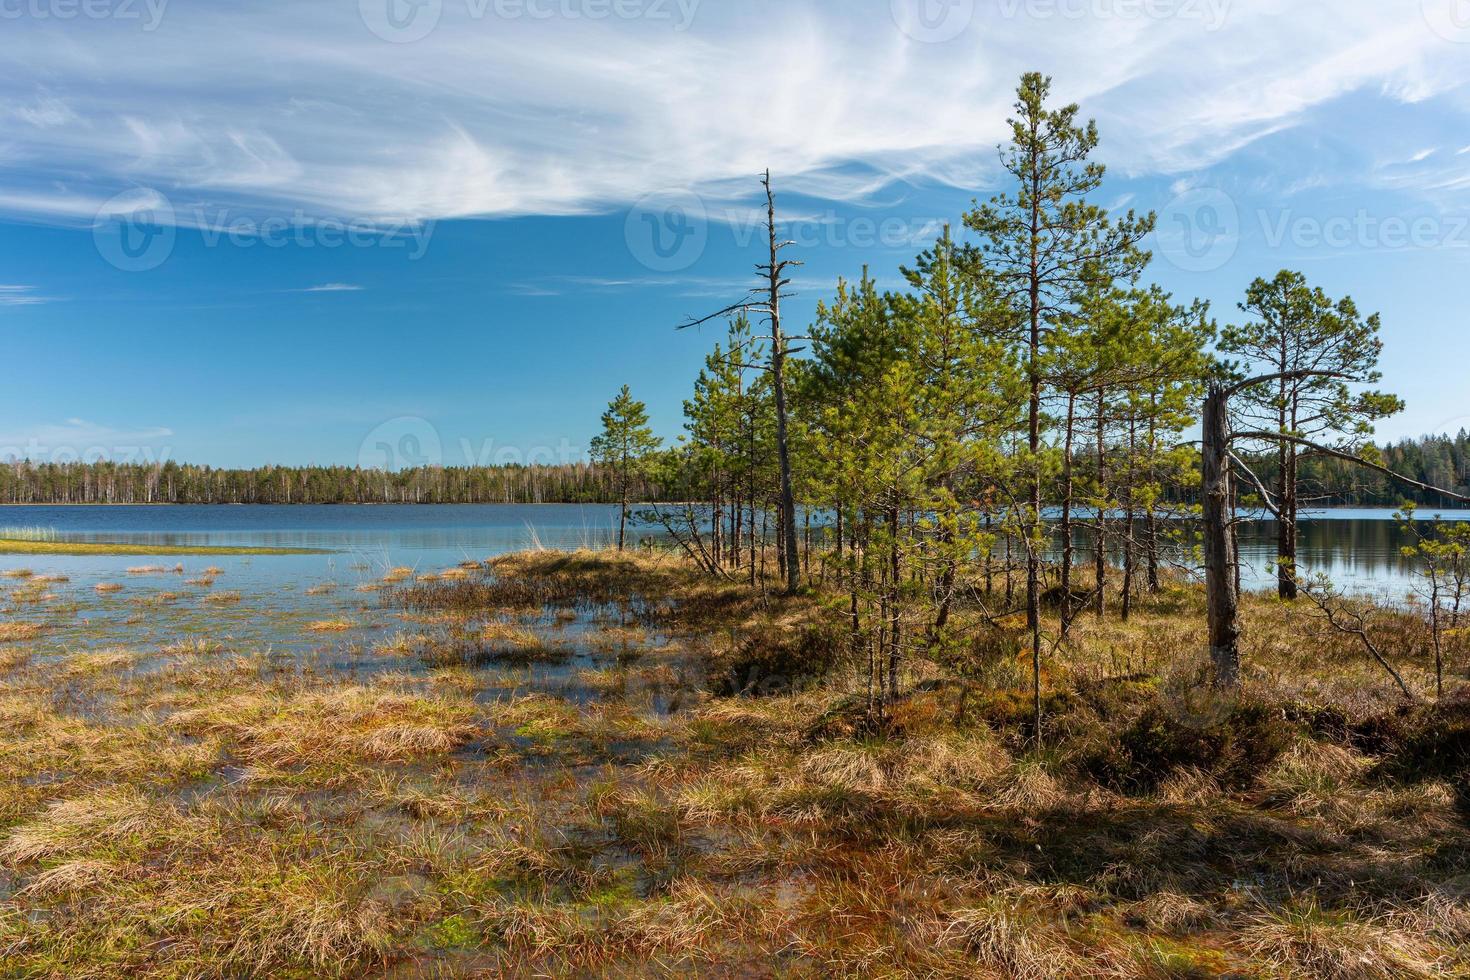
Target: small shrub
(779, 660)
(1430, 742)
(1158, 744)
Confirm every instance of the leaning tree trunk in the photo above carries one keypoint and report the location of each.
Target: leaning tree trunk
(1222, 599)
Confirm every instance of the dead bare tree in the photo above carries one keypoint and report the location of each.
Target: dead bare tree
(765, 299)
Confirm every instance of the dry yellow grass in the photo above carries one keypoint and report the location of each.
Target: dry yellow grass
(198, 646)
(509, 635)
(12, 632)
(176, 808)
(331, 626)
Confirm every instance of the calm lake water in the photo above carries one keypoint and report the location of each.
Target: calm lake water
(1356, 546)
(1359, 548)
(263, 601)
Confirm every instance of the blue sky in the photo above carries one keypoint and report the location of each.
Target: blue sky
(431, 226)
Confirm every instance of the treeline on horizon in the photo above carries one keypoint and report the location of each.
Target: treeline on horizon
(1439, 460)
(24, 482)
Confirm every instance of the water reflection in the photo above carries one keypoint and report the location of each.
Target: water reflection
(1358, 548)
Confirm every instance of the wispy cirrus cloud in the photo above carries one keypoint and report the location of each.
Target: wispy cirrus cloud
(332, 287)
(279, 105)
(80, 439)
(14, 295)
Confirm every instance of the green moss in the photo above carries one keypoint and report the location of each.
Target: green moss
(452, 932)
(1182, 960)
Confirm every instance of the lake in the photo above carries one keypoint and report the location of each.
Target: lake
(1358, 547)
(156, 598)
(264, 600)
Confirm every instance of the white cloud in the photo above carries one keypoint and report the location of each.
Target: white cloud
(333, 287)
(78, 439)
(279, 105)
(21, 296)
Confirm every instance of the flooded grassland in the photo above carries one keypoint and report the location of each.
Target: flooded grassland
(591, 764)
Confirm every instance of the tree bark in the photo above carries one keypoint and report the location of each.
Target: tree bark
(1222, 599)
(778, 383)
(1099, 544)
(1066, 526)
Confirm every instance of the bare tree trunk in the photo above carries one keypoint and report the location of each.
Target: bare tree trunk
(1066, 527)
(1221, 596)
(894, 632)
(1436, 630)
(1010, 580)
(1151, 529)
(1033, 519)
(839, 544)
(623, 513)
(1288, 586)
(1099, 545)
(778, 384)
(989, 557)
(806, 545)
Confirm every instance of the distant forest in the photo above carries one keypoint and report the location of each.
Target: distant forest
(1442, 461)
(23, 482)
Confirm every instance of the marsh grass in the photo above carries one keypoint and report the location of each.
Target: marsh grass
(341, 625)
(13, 632)
(451, 796)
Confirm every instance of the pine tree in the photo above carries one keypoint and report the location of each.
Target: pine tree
(624, 446)
(1315, 349)
(1043, 246)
